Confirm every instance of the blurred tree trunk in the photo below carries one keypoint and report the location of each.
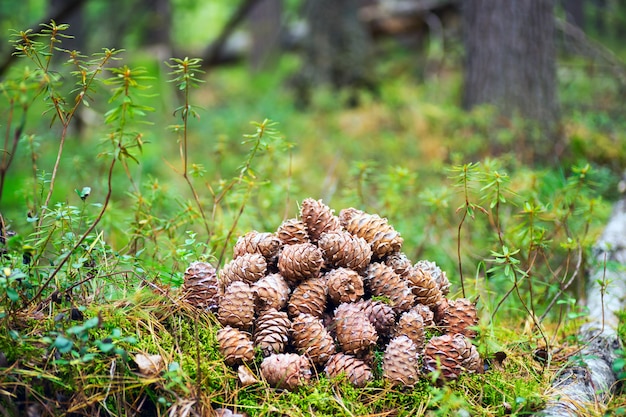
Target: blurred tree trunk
(157, 22)
(575, 12)
(510, 63)
(337, 49)
(76, 19)
(265, 28)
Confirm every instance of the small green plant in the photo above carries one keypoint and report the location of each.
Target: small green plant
(78, 344)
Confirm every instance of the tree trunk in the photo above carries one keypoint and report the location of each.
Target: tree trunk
(157, 22)
(76, 19)
(337, 48)
(575, 12)
(265, 29)
(510, 63)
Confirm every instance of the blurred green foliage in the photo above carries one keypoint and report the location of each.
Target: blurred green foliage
(142, 189)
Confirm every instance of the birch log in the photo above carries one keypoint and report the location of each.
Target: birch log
(584, 387)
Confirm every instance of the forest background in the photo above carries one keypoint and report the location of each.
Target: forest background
(491, 137)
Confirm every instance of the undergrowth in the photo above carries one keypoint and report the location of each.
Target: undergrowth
(94, 242)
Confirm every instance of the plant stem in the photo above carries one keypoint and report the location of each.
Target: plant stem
(83, 236)
(185, 157)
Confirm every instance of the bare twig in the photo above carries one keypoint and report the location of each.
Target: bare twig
(566, 285)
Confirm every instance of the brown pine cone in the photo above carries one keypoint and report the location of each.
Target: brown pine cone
(460, 317)
(248, 267)
(309, 297)
(272, 330)
(292, 231)
(344, 310)
(271, 291)
(438, 275)
(342, 249)
(201, 287)
(411, 324)
(451, 355)
(355, 334)
(344, 285)
(439, 311)
(381, 315)
(374, 229)
(318, 218)
(235, 345)
(401, 362)
(286, 370)
(300, 261)
(311, 338)
(399, 262)
(424, 287)
(266, 244)
(382, 281)
(237, 306)
(356, 371)
(427, 314)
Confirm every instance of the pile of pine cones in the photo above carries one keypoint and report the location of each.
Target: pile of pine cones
(328, 291)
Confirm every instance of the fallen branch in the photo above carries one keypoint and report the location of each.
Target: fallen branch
(592, 49)
(587, 383)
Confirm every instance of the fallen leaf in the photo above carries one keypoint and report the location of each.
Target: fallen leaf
(246, 377)
(149, 365)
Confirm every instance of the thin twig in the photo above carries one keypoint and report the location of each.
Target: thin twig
(564, 287)
(93, 225)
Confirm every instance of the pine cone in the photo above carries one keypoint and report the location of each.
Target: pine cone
(374, 229)
(381, 315)
(266, 244)
(438, 275)
(399, 262)
(309, 297)
(311, 338)
(382, 281)
(292, 231)
(355, 370)
(411, 324)
(286, 370)
(344, 285)
(451, 355)
(272, 330)
(318, 218)
(355, 334)
(235, 345)
(342, 249)
(271, 291)
(342, 311)
(248, 267)
(237, 306)
(428, 317)
(401, 362)
(439, 311)
(201, 287)
(424, 287)
(459, 317)
(300, 261)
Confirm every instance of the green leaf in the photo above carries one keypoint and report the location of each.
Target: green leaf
(92, 323)
(63, 344)
(84, 193)
(105, 347)
(12, 294)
